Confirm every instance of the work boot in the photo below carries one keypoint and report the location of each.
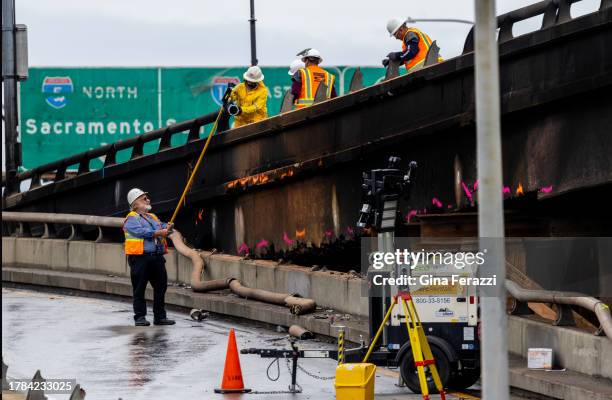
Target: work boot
(164, 321)
(142, 321)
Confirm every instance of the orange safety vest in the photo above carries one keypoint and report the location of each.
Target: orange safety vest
(134, 246)
(312, 76)
(424, 45)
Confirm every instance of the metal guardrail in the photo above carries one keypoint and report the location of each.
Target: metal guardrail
(22, 219)
(109, 151)
(565, 300)
(554, 11)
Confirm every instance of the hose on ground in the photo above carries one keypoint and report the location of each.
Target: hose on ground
(197, 285)
(300, 332)
(296, 305)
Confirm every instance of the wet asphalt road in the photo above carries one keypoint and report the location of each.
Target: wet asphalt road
(94, 341)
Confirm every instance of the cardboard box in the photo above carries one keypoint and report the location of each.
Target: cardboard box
(539, 358)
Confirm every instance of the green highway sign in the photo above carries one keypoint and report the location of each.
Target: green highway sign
(64, 111)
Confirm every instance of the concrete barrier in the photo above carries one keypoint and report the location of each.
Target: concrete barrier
(330, 290)
(8, 250)
(86, 266)
(572, 349)
(109, 259)
(80, 256)
(171, 265)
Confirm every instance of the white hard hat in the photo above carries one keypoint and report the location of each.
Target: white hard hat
(394, 24)
(253, 74)
(312, 53)
(295, 65)
(133, 194)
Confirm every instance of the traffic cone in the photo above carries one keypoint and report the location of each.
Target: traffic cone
(232, 373)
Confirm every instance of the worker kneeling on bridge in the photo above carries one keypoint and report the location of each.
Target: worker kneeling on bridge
(415, 45)
(306, 80)
(249, 99)
(145, 246)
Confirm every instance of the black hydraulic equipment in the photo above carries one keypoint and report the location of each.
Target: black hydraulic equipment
(294, 354)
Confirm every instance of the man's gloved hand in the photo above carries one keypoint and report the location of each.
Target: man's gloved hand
(227, 94)
(393, 56)
(160, 232)
(385, 62)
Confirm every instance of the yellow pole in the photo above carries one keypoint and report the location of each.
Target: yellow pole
(380, 329)
(341, 346)
(197, 166)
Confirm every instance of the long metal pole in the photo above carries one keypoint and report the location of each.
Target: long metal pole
(253, 41)
(10, 93)
(494, 350)
(196, 167)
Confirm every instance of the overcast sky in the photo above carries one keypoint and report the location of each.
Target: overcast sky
(216, 32)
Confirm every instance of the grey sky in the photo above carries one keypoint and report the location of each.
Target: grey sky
(216, 32)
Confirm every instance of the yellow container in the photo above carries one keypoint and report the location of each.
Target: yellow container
(355, 381)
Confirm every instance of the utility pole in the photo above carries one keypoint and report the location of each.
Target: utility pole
(14, 54)
(253, 41)
(494, 350)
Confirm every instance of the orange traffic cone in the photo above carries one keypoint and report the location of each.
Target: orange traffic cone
(232, 373)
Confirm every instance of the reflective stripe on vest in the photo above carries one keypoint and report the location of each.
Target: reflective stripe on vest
(306, 96)
(134, 245)
(424, 45)
(310, 86)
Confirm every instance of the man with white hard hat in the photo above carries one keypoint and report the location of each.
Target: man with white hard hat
(415, 45)
(306, 80)
(295, 66)
(145, 246)
(249, 98)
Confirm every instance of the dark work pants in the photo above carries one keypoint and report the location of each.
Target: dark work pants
(149, 268)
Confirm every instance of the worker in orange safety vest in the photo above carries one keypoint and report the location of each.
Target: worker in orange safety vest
(306, 80)
(145, 246)
(415, 45)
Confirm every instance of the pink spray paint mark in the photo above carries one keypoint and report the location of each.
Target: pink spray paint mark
(243, 249)
(546, 189)
(467, 192)
(436, 202)
(287, 239)
(476, 185)
(411, 214)
(350, 231)
(506, 190)
(329, 233)
(449, 206)
(262, 243)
